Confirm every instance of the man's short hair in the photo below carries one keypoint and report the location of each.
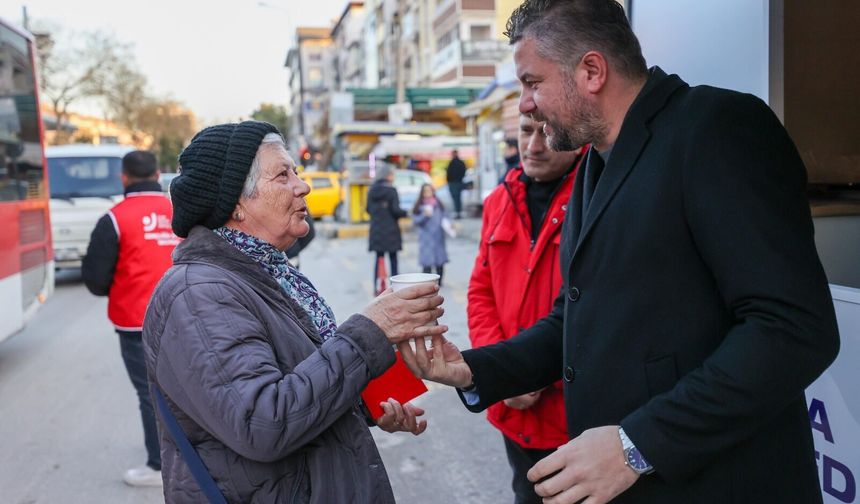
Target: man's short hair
(565, 30)
(139, 164)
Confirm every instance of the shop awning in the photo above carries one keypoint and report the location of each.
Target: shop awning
(421, 98)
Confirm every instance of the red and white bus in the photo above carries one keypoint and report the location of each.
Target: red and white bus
(26, 261)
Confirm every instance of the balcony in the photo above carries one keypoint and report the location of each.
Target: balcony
(469, 52)
(492, 51)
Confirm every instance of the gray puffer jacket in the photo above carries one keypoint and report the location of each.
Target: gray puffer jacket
(273, 412)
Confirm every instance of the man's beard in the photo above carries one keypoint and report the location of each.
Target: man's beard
(586, 125)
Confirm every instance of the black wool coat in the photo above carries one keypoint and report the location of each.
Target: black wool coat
(383, 205)
(694, 310)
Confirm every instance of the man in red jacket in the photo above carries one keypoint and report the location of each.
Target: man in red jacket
(130, 249)
(514, 283)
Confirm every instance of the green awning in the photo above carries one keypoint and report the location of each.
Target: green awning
(421, 98)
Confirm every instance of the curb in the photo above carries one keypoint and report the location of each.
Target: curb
(333, 230)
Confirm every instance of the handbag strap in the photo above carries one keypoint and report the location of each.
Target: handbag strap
(192, 459)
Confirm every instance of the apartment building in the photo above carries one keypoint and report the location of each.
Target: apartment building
(312, 77)
(348, 38)
(468, 42)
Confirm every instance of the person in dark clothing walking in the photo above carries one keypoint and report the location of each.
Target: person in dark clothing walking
(383, 205)
(512, 157)
(130, 249)
(455, 173)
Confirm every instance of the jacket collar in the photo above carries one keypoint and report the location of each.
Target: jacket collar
(144, 186)
(205, 247)
(632, 138)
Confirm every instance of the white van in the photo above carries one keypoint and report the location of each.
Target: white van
(85, 182)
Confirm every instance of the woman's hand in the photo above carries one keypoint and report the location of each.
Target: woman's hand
(408, 313)
(397, 418)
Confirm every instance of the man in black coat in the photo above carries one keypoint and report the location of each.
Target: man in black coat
(455, 173)
(694, 309)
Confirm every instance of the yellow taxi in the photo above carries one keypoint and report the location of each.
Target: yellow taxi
(326, 196)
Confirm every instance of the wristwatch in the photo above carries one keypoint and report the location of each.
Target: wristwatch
(632, 456)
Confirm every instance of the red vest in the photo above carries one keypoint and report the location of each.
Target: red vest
(146, 243)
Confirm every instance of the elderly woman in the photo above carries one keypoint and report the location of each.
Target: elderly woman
(254, 369)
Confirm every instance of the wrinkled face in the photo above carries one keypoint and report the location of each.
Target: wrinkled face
(539, 162)
(551, 95)
(277, 213)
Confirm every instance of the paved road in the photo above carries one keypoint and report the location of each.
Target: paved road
(69, 424)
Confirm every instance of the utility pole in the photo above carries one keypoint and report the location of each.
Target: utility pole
(25, 19)
(401, 111)
(398, 54)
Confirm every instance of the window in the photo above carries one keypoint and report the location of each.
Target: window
(21, 173)
(321, 183)
(315, 77)
(449, 37)
(77, 177)
(479, 32)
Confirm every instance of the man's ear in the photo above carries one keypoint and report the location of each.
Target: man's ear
(593, 70)
(124, 178)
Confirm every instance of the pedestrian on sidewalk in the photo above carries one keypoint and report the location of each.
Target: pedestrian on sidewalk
(514, 282)
(432, 223)
(130, 249)
(455, 174)
(383, 205)
(247, 361)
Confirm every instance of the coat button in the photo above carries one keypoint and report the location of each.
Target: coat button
(564, 208)
(569, 374)
(554, 220)
(573, 294)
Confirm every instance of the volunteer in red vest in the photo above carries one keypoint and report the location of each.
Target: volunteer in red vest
(514, 283)
(130, 249)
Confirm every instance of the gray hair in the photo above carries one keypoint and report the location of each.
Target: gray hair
(249, 191)
(564, 30)
(383, 171)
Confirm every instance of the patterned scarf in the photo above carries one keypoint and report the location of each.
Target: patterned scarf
(294, 284)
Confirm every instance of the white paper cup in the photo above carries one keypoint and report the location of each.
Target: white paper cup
(400, 282)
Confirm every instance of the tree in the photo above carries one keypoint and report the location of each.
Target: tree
(274, 114)
(76, 66)
(171, 126)
(124, 94)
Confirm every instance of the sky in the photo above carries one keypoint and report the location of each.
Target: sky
(220, 58)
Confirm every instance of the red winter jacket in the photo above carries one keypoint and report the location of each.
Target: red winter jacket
(511, 288)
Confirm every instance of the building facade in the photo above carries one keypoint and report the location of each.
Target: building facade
(312, 77)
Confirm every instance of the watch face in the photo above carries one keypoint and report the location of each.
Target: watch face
(637, 461)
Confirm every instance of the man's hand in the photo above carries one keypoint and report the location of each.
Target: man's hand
(589, 467)
(443, 363)
(397, 418)
(408, 313)
(524, 401)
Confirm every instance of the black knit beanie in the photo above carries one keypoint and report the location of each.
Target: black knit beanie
(212, 172)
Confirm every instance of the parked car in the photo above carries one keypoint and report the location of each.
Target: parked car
(408, 184)
(165, 179)
(85, 182)
(327, 194)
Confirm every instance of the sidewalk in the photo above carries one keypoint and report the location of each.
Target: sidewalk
(467, 228)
